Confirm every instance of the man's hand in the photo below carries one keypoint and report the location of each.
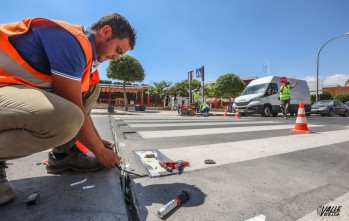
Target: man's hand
(108, 158)
(108, 144)
(294, 85)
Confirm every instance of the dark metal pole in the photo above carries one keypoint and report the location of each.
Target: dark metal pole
(317, 63)
(190, 76)
(203, 84)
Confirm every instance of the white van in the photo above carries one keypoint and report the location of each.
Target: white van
(261, 96)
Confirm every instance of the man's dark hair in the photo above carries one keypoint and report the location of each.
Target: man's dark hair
(120, 26)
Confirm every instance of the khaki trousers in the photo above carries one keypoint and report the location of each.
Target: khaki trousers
(33, 120)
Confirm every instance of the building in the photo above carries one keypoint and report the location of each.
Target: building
(336, 89)
(114, 94)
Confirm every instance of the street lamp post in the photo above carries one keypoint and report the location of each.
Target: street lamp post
(317, 64)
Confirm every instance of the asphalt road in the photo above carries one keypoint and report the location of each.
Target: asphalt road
(261, 167)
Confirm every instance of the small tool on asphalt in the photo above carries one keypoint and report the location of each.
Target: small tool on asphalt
(32, 199)
(184, 196)
(121, 168)
(209, 161)
(178, 165)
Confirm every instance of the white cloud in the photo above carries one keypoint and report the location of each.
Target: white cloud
(337, 79)
(309, 78)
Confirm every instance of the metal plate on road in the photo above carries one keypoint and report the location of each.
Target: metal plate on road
(151, 161)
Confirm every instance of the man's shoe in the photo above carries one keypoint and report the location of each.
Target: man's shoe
(6, 192)
(73, 160)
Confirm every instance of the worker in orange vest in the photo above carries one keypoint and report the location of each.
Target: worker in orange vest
(48, 85)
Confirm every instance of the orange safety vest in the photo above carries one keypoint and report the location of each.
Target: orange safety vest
(15, 70)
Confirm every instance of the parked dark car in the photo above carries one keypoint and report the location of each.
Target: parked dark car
(330, 108)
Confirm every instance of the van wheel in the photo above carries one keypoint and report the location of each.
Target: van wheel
(345, 114)
(266, 111)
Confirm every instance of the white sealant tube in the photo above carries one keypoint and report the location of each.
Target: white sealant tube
(168, 207)
(184, 196)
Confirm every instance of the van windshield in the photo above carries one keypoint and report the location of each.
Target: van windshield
(255, 89)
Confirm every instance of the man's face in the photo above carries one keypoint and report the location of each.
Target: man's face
(112, 49)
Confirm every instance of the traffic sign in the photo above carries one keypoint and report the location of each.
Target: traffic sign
(198, 72)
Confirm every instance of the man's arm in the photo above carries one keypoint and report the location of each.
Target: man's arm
(282, 88)
(71, 90)
(106, 143)
(294, 85)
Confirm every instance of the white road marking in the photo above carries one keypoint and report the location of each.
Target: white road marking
(201, 124)
(257, 218)
(342, 201)
(177, 120)
(232, 152)
(193, 132)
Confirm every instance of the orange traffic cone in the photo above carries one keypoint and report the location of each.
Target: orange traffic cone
(237, 114)
(225, 112)
(301, 122)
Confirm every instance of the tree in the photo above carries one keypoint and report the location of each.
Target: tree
(158, 88)
(127, 69)
(182, 87)
(342, 97)
(210, 90)
(324, 96)
(229, 85)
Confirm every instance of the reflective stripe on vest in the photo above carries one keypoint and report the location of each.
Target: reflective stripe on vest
(15, 70)
(203, 106)
(286, 93)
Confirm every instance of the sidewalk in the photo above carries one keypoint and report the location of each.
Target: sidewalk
(60, 201)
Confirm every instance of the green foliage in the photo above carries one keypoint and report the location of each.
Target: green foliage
(126, 68)
(324, 96)
(105, 82)
(158, 88)
(210, 90)
(182, 87)
(229, 85)
(342, 97)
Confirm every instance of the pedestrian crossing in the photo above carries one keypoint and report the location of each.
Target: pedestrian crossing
(267, 138)
(236, 151)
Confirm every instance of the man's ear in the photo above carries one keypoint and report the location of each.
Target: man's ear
(106, 31)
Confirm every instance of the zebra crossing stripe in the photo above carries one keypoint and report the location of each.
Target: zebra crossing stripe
(232, 152)
(172, 119)
(194, 132)
(201, 124)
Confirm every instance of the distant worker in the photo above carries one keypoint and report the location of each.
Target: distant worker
(204, 110)
(196, 99)
(285, 95)
(174, 102)
(166, 100)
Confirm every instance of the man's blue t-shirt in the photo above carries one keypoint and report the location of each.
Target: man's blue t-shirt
(49, 48)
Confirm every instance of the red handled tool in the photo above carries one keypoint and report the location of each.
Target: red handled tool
(177, 165)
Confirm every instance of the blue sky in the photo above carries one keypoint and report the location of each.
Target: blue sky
(226, 36)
